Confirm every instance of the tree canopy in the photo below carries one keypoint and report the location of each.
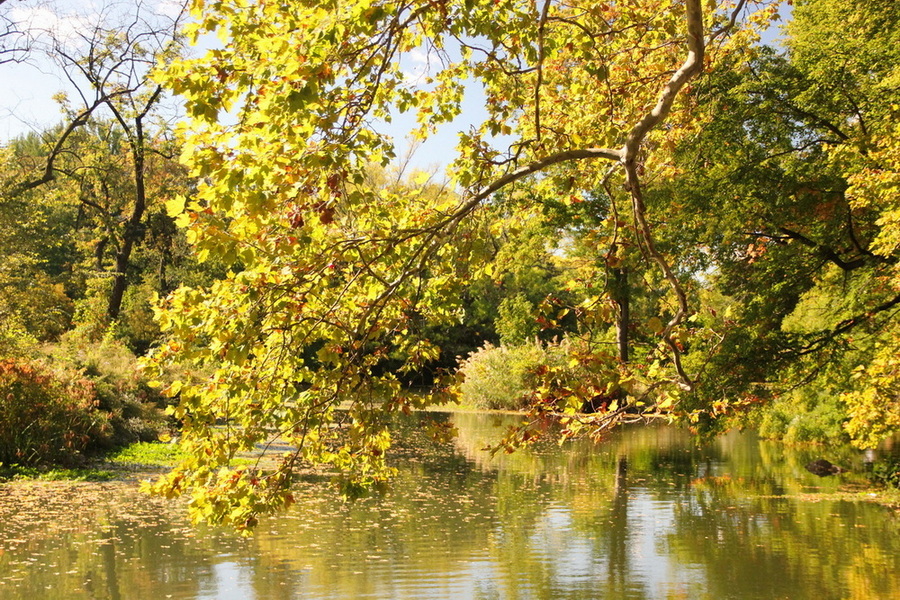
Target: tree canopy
(725, 214)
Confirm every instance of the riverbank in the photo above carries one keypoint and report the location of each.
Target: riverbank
(131, 463)
(146, 460)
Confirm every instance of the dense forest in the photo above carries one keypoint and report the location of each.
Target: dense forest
(660, 216)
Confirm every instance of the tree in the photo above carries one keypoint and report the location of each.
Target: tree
(328, 276)
(110, 68)
(779, 211)
(14, 43)
(57, 239)
(38, 250)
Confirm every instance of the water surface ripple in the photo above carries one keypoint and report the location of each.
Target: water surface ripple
(647, 514)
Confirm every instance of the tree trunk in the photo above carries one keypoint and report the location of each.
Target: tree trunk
(99, 253)
(621, 295)
(132, 232)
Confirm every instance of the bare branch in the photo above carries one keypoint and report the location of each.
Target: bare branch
(49, 171)
(14, 43)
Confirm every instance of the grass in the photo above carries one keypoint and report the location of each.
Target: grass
(144, 454)
(17, 472)
(136, 456)
(155, 454)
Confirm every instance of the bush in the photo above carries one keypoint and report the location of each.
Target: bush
(501, 377)
(30, 300)
(802, 418)
(44, 419)
(138, 326)
(16, 341)
(91, 322)
(132, 407)
(79, 397)
(887, 472)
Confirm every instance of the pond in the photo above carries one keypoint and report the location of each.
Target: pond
(645, 514)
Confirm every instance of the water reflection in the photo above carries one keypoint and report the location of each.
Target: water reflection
(646, 514)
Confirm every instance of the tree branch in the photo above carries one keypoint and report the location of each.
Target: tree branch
(49, 172)
(692, 65)
(540, 69)
(826, 252)
(732, 21)
(533, 167)
(848, 324)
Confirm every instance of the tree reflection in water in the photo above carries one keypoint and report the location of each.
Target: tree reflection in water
(645, 514)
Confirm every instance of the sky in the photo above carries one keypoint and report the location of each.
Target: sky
(27, 90)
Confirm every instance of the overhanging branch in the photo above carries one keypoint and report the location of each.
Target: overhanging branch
(824, 251)
(692, 65)
(533, 167)
(848, 324)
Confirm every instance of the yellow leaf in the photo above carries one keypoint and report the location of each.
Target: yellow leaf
(175, 206)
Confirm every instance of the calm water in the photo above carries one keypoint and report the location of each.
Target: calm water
(644, 515)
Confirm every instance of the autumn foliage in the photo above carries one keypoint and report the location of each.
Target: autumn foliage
(44, 419)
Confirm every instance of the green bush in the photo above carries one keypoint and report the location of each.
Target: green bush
(800, 418)
(138, 326)
(30, 300)
(16, 341)
(501, 377)
(44, 419)
(90, 320)
(132, 407)
(887, 472)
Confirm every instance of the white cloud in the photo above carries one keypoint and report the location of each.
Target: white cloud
(45, 20)
(70, 21)
(170, 8)
(418, 72)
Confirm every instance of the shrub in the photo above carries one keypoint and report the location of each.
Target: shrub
(30, 300)
(44, 419)
(16, 341)
(887, 472)
(138, 326)
(501, 377)
(90, 320)
(802, 418)
(131, 406)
